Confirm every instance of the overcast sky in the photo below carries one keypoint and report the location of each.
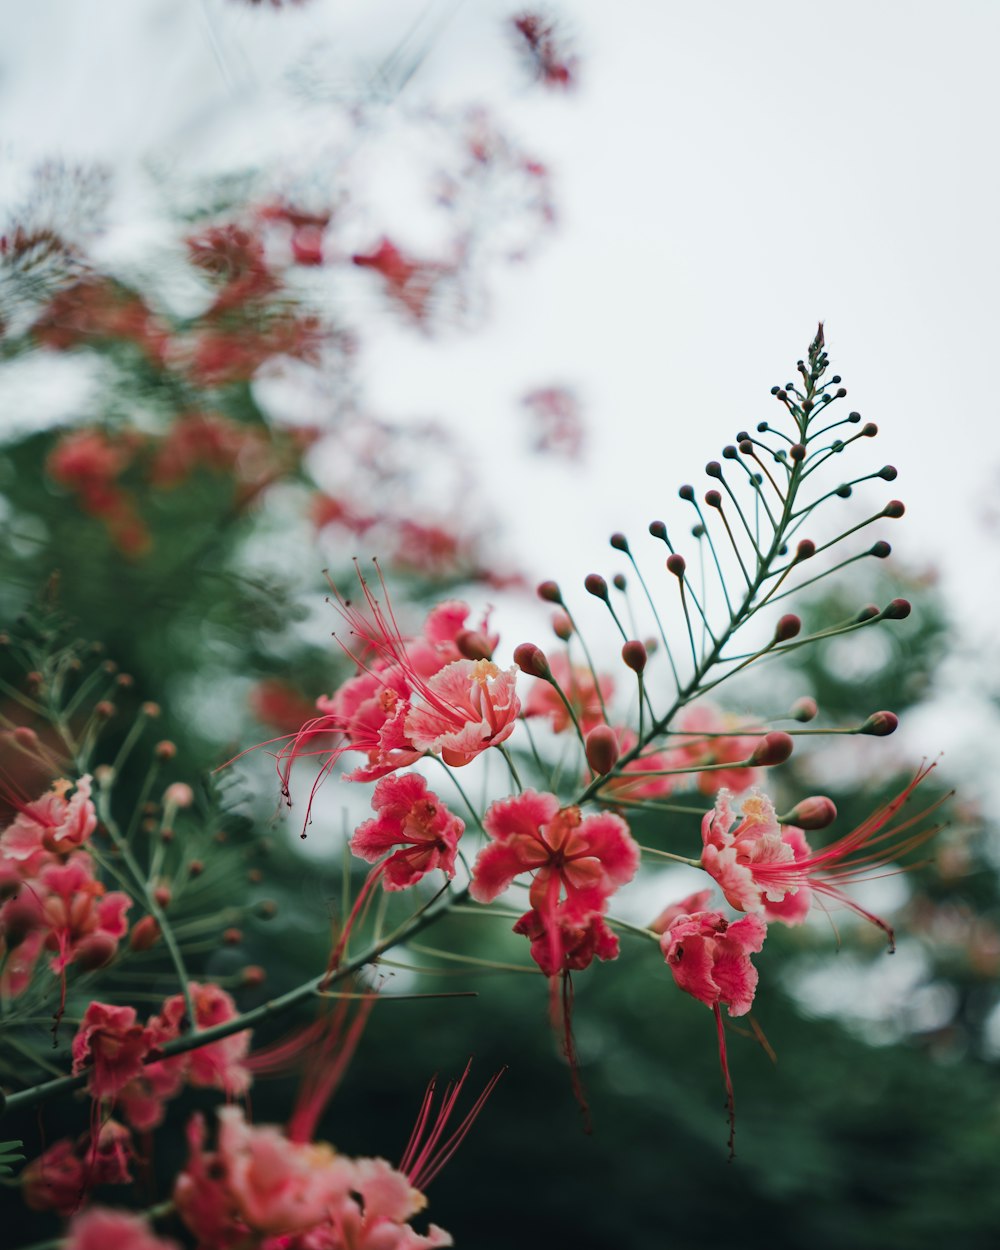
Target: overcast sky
(727, 174)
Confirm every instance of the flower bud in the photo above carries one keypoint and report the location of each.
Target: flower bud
(869, 430)
(787, 627)
(145, 934)
(602, 749)
(888, 473)
(125, 681)
(25, 736)
(803, 709)
(252, 975)
(531, 660)
(880, 724)
(195, 868)
(473, 645)
(619, 541)
(163, 895)
(152, 710)
(266, 909)
(894, 509)
(165, 750)
(686, 493)
(179, 794)
(658, 529)
(815, 812)
(550, 592)
(232, 937)
(105, 709)
(880, 550)
(797, 451)
(619, 582)
(595, 585)
(805, 550)
(713, 469)
(866, 613)
(635, 655)
(676, 564)
(96, 950)
(898, 610)
(562, 626)
(774, 748)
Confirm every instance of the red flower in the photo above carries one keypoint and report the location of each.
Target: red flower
(408, 813)
(112, 1045)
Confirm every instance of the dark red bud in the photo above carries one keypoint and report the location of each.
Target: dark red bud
(746, 447)
(898, 610)
(531, 660)
(894, 509)
(165, 750)
(105, 710)
(880, 550)
(676, 565)
(602, 749)
(195, 868)
(888, 473)
(787, 627)
(880, 724)
(713, 468)
(595, 585)
(635, 655)
(713, 499)
(145, 934)
(869, 430)
(152, 710)
(729, 452)
(805, 550)
(562, 626)
(162, 895)
(815, 812)
(550, 592)
(804, 709)
(619, 541)
(774, 748)
(866, 613)
(96, 950)
(252, 975)
(473, 645)
(841, 392)
(658, 530)
(619, 582)
(232, 937)
(854, 417)
(686, 493)
(797, 451)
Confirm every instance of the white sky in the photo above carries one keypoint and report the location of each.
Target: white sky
(727, 174)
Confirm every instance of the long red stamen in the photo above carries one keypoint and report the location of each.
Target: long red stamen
(724, 1064)
(421, 1163)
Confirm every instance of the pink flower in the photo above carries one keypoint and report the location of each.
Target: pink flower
(103, 1229)
(468, 706)
(710, 743)
(561, 943)
(410, 814)
(410, 696)
(217, 1065)
(577, 684)
(578, 862)
(763, 867)
(85, 923)
(53, 824)
(56, 1180)
(709, 957)
(585, 857)
(112, 1045)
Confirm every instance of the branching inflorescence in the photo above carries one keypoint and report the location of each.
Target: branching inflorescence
(71, 874)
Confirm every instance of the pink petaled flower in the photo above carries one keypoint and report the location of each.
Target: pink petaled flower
(709, 957)
(764, 867)
(56, 1180)
(103, 1229)
(587, 857)
(85, 923)
(577, 684)
(53, 824)
(561, 943)
(714, 739)
(408, 813)
(468, 706)
(111, 1045)
(461, 712)
(217, 1065)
